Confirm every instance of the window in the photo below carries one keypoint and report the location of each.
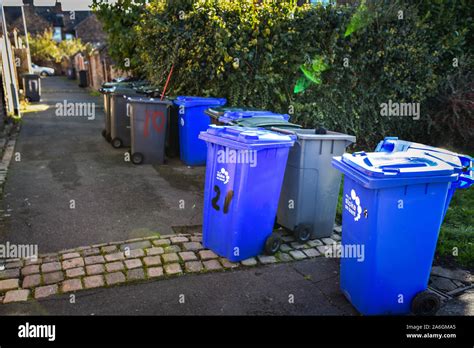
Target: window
(57, 34)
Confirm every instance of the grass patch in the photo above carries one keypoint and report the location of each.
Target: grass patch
(456, 238)
(94, 93)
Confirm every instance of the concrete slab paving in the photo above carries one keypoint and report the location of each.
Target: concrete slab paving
(65, 161)
(278, 289)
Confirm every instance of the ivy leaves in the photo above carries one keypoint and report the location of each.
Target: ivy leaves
(361, 19)
(312, 74)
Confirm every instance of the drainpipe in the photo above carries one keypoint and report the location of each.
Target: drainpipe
(27, 41)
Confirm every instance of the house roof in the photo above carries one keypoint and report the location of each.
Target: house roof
(39, 18)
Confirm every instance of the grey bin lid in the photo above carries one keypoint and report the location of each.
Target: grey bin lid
(310, 134)
(149, 101)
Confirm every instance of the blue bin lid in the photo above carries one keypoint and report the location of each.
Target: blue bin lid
(190, 101)
(246, 138)
(232, 116)
(461, 163)
(378, 170)
(400, 164)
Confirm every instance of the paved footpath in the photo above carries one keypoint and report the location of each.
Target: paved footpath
(193, 281)
(180, 256)
(66, 158)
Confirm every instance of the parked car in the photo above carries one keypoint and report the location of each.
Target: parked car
(42, 70)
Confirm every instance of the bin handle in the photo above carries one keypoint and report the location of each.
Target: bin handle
(359, 153)
(128, 110)
(465, 181)
(281, 130)
(393, 171)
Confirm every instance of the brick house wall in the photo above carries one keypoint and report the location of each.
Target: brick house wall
(96, 70)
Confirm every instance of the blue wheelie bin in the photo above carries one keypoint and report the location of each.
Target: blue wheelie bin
(462, 164)
(252, 118)
(192, 121)
(233, 117)
(393, 207)
(244, 174)
(216, 112)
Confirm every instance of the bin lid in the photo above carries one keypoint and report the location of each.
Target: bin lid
(33, 76)
(218, 111)
(264, 122)
(190, 101)
(377, 164)
(380, 170)
(312, 134)
(147, 90)
(461, 163)
(124, 91)
(143, 100)
(231, 116)
(246, 138)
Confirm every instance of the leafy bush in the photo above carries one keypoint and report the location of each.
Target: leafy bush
(330, 66)
(45, 49)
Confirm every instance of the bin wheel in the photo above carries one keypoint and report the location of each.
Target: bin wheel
(302, 233)
(104, 133)
(425, 303)
(272, 244)
(117, 143)
(137, 158)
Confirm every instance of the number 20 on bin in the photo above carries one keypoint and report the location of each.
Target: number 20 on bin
(157, 125)
(228, 199)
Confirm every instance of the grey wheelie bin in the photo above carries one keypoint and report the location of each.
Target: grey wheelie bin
(83, 79)
(172, 148)
(310, 189)
(120, 116)
(106, 90)
(32, 87)
(148, 120)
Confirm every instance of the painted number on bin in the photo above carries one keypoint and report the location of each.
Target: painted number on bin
(33, 85)
(157, 119)
(227, 200)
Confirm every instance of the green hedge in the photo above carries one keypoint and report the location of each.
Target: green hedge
(259, 55)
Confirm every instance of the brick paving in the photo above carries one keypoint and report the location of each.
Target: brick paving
(111, 264)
